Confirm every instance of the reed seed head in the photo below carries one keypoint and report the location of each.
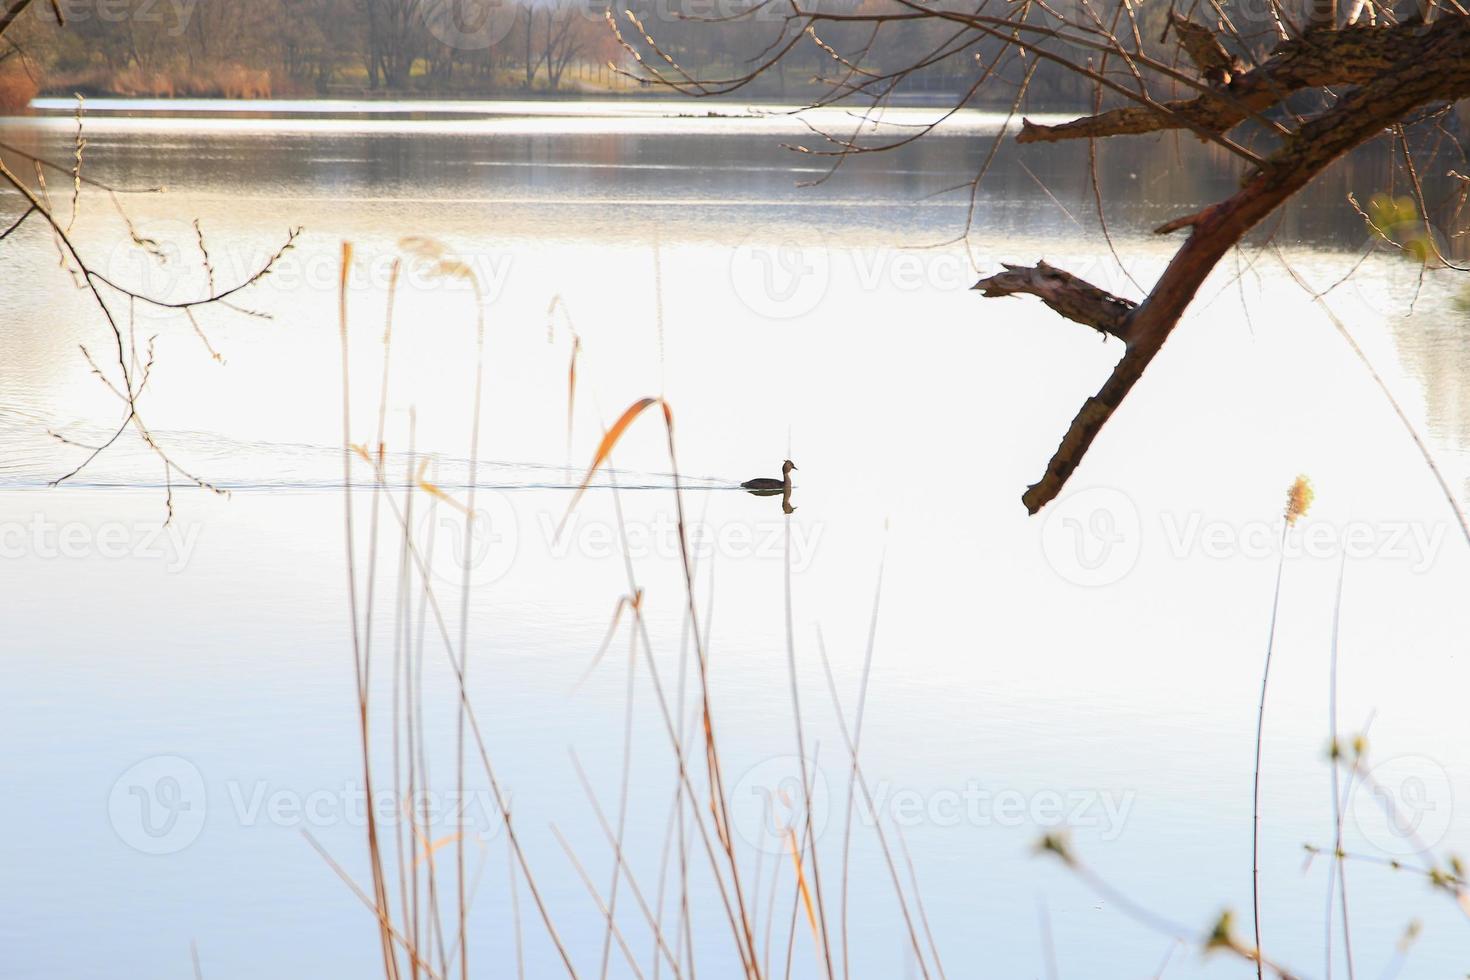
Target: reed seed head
(1299, 499)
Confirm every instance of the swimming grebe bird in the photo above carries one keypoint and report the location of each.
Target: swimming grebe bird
(765, 484)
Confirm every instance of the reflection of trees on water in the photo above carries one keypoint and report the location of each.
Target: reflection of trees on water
(1434, 346)
(1146, 181)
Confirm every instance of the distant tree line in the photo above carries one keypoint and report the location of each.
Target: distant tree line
(463, 47)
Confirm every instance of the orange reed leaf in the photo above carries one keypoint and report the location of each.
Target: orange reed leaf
(342, 287)
(431, 849)
(572, 389)
(436, 258)
(422, 247)
(634, 603)
(806, 896)
(439, 494)
(605, 448)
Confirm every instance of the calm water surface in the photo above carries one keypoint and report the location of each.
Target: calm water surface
(178, 706)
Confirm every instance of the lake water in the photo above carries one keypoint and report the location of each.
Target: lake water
(177, 703)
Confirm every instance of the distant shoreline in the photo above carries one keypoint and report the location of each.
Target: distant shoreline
(51, 99)
(491, 116)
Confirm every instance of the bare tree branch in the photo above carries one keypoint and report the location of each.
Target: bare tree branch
(1353, 56)
(1074, 298)
(1439, 70)
(1373, 77)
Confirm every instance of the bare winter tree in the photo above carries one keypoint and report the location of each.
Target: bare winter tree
(562, 39)
(127, 368)
(1285, 91)
(394, 36)
(554, 33)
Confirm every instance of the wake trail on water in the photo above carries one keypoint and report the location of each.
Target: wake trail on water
(31, 458)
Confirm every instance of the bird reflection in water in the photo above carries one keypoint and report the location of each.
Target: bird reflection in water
(769, 487)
